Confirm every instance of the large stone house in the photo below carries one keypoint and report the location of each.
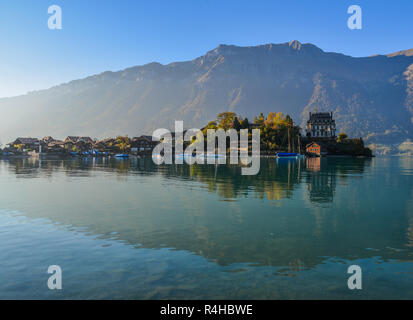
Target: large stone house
(321, 125)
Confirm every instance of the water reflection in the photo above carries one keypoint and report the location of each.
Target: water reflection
(297, 214)
(275, 181)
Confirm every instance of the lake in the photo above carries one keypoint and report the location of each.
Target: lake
(129, 229)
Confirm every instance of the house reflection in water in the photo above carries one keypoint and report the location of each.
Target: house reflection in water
(313, 164)
(321, 184)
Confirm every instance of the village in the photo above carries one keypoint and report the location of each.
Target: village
(278, 134)
(79, 146)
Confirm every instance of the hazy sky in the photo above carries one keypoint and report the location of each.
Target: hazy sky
(100, 35)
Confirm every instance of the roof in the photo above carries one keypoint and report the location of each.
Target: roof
(322, 145)
(78, 139)
(146, 138)
(27, 140)
(321, 116)
(48, 138)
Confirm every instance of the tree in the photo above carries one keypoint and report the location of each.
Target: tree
(260, 119)
(341, 137)
(289, 121)
(19, 146)
(123, 143)
(275, 120)
(210, 125)
(225, 120)
(245, 124)
(236, 124)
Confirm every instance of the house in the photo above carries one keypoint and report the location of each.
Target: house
(26, 143)
(75, 139)
(316, 148)
(142, 143)
(106, 145)
(321, 125)
(55, 146)
(48, 139)
(108, 142)
(78, 143)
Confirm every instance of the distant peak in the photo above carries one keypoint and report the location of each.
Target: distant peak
(407, 53)
(223, 47)
(295, 44)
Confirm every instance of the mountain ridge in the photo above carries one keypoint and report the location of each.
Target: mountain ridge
(371, 97)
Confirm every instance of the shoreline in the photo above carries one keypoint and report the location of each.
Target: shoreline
(64, 157)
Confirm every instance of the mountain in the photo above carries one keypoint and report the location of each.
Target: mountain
(371, 97)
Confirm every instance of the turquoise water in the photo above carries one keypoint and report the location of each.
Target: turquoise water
(128, 229)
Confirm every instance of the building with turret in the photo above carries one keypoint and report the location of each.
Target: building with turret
(321, 125)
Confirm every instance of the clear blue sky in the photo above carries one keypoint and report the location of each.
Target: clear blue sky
(100, 35)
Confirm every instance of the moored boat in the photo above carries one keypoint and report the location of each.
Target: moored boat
(121, 155)
(287, 155)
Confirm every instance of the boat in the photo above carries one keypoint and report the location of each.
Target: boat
(121, 155)
(95, 153)
(183, 155)
(212, 155)
(287, 155)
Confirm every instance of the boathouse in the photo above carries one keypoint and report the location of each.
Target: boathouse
(316, 148)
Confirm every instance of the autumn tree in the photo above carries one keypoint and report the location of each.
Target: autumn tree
(260, 120)
(225, 120)
(210, 125)
(342, 137)
(123, 143)
(275, 120)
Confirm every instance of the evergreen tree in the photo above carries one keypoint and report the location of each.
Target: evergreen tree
(236, 124)
(245, 124)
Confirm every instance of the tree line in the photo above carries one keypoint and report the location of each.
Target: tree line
(277, 131)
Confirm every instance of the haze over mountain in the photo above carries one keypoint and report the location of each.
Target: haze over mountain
(371, 97)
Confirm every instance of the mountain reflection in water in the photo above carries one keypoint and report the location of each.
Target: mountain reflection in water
(293, 214)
